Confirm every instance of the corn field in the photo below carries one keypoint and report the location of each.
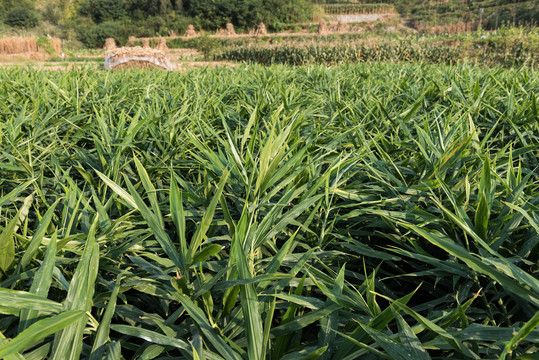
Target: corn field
(340, 53)
(362, 211)
(318, 51)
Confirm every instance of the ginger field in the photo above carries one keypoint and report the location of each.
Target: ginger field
(366, 211)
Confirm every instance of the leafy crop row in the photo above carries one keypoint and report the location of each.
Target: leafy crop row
(361, 211)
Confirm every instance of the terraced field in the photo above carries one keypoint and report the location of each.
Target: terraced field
(363, 211)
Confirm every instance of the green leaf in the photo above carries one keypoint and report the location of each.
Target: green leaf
(152, 336)
(178, 217)
(482, 213)
(24, 300)
(154, 222)
(409, 340)
(40, 284)
(117, 189)
(37, 238)
(102, 334)
(200, 319)
(520, 335)
(13, 356)
(248, 297)
(207, 218)
(393, 348)
(68, 342)
(302, 321)
(40, 330)
(206, 252)
(7, 241)
(13, 193)
(476, 263)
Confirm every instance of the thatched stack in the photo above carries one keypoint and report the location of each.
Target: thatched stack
(136, 57)
(162, 45)
(191, 32)
(322, 28)
(110, 44)
(131, 41)
(146, 43)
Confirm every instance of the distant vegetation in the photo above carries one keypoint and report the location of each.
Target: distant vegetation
(92, 21)
(495, 13)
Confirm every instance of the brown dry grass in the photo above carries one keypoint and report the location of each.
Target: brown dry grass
(18, 49)
(18, 45)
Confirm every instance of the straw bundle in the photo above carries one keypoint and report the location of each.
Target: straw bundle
(191, 32)
(261, 30)
(162, 45)
(18, 45)
(110, 44)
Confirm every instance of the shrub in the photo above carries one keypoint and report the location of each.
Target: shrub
(45, 43)
(22, 17)
(95, 36)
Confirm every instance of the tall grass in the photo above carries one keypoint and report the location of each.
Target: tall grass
(377, 211)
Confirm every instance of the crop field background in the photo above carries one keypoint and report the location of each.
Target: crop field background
(365, 211)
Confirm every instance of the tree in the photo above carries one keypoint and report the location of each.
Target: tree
(22, 17)
(103, 10)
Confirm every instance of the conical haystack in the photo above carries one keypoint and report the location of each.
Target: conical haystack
(131, 41)
(322, 28)
(162, 44)
(110, 44)
(190, 32)
(261, 30)
(146, 43)
(230, 30)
